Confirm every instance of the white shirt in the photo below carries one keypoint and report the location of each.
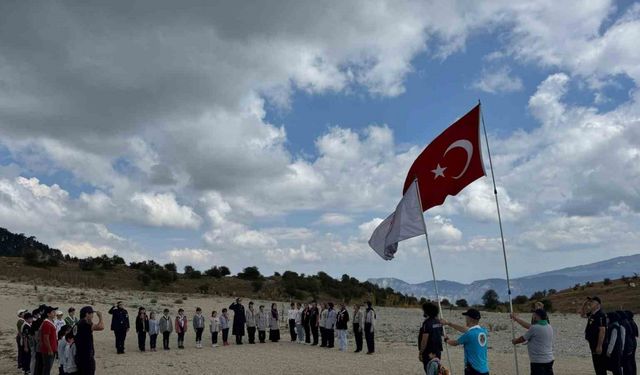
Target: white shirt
(292, 313)
(59, 323)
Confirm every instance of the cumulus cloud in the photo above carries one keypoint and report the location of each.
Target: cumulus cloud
(163, 210)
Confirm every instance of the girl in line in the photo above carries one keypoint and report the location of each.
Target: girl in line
(224, 327)
(181, 327)
(214, 327)
(198, 326)
(274, 328)
(154, 330)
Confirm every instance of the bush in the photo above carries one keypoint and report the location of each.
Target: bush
(257, 285)
(178, 301)
(204, 288)
(462, 303)
(520, 300)
(217, 272)
(607, 281)
(445, 302)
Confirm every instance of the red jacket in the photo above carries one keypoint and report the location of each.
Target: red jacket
(185, 324)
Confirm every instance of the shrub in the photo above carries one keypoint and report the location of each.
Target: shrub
(519, 300)
(250, 273)
(607, 281)
(462, 303)
(445, 302)
(178, 301)
(257, 285)
(490, 299)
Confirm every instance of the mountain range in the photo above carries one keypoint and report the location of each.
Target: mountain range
(558, 279)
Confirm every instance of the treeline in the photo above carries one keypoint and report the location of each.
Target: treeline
(492, 302)
(34, 253)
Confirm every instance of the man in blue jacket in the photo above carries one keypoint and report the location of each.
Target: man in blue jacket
(119, 325)
(474, 340)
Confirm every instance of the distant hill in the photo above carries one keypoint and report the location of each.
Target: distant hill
(559, 279)
(19, 245)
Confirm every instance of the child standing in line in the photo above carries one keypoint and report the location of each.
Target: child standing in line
(181, 327)
(69, 360)
(262, 321)
(62, 346)
(142, 327)
(154, 330)
(166, 327)
(224, 327)
(214, 327)
(198, 326)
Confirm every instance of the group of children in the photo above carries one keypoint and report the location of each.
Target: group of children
(39, 333)
(165, 325)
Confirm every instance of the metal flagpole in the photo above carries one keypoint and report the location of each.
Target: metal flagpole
(504, 250)
(433, 272)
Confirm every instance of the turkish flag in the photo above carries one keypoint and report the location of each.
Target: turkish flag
(450, 162)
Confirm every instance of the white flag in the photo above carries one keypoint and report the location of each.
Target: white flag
(404, 223)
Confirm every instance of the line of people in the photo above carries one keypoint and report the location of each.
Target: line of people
(44, 336)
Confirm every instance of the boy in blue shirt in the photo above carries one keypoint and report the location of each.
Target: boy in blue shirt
(474, 340)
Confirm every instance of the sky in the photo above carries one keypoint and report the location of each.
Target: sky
(279, 134)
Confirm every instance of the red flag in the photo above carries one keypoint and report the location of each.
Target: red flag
(450, 162)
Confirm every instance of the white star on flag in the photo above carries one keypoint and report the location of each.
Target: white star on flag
(439, 171)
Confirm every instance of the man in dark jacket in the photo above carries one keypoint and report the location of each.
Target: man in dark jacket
(239, 320)
(119, 325)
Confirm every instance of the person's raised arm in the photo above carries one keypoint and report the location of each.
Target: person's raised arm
(100, 325)
(454, 326)
(451, 342)
(519, 340)
(523, 323)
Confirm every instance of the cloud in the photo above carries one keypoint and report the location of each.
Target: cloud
(163, 210)
(200, 259)
(334, 219)
(84, 249)
(498, 81)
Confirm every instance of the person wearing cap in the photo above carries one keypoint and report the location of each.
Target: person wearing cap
(119, 325)
(539, 339)
(71, 318)
(83, 339)
(239, 320)
(474, 341)
(59, 321)
(430, 336)
(595, 332)
(48, 340)
(250, 318)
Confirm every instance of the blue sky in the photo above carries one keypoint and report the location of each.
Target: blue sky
(283, 141)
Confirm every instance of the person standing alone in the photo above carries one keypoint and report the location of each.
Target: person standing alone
(595, 332)
(119, 325)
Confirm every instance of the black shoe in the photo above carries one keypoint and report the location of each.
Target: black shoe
(357, 350)
(370, 352)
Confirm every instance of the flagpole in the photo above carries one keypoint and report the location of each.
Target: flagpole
(433, 272)
(504, 250)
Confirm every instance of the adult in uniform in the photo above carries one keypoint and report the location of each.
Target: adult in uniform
(239, 320)
(119, 325)
(85, 354)
(430, 336)
(595, 332)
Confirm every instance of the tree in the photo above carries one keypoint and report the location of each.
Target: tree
(445, 302)
(217, 272)
(462, 303)
(171, 267)
(490, 299)
(607, 281)
(192, 273)
(250, 273)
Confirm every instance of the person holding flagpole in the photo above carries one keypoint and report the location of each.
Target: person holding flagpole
(474, 340)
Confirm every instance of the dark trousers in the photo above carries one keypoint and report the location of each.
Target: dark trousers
(152, 340)
(26, 360)
(225, 335)
(292, 329)
(307, 333)
(629, 364)
(142, 340)
(314, 333)
(542, 368)
(274, 335)
(47, 364)
(323, 337)
(251, 331)
(86, 366)
(180, 340)
(331, 338)
(599, 363)
(165, 340)
(369, 336)
(199, 334)
(61, 370)
(357, 334)
(238, 339)
(38, 364)
(20, 351)
(262, 335)
(121, 335)
(468, 370)
(214, 338)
